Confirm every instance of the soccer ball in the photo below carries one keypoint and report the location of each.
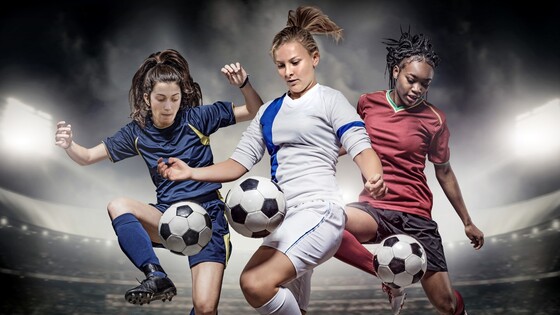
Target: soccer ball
(255, 207)
(400, 261)
(185, 228)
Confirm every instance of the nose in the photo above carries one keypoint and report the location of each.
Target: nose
(168, 105)
(288, 71)
(417, 88)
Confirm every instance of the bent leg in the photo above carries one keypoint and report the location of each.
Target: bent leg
(437, 286)
(361, 224)
(135, 224)
(261, 279)
(360, 227)
(207, 280)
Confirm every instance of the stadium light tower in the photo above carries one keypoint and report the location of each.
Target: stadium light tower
(24, 130)
(536, 132)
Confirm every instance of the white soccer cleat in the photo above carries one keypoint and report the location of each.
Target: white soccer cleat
(396, 298)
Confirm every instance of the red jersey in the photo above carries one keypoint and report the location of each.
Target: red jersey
(403, 137)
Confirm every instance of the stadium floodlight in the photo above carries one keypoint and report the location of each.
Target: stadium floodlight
(25, 130)
(536, 132)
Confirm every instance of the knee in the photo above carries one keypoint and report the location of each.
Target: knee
(117, 207)
(205, 307)
(446, 304)
(251, 286)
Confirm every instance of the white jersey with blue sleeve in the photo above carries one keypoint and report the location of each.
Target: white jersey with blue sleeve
(303, 137)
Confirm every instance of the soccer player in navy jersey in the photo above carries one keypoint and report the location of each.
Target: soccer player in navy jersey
(168, 119)
(302, 131)
(404, 129)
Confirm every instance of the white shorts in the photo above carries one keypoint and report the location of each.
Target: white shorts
(309, 235)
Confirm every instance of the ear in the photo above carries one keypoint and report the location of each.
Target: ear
(395, 71)
(315, 57)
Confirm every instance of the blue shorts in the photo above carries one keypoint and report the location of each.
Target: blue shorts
(397, 222)
(219, 248)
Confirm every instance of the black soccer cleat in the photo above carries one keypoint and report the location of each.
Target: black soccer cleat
(152, 288)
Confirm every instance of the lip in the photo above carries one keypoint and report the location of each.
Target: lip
(412, 99)
(291, 82)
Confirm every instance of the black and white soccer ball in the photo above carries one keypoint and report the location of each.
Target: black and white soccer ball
(185, 228)
(255, 206)
(400, 261)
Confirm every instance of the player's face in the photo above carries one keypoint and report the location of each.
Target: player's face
(412, 82)
(164, 101)
(297, 67)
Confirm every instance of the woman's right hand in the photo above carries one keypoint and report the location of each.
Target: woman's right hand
(174, 169)
(63, 136)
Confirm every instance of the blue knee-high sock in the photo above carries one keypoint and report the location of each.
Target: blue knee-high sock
(134, 240)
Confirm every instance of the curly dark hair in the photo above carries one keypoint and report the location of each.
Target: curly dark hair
(409, 48)
(165, 66)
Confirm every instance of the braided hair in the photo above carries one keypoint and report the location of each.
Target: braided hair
(409, 48)
(166, 66)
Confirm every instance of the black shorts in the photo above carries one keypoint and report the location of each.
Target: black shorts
(423, 229)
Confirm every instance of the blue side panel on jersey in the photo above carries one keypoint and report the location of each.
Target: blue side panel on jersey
(266, 124)
(345, 128)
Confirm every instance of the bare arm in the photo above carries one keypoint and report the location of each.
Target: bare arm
(177, 170)
(237, 76)
(78, 153)
(450, 185)
(371, 169)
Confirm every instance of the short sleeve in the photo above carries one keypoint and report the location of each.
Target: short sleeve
(439, 152)
(122, 144)
(209, 118)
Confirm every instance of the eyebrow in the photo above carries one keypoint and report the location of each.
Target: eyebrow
(289, 60)
(416, 77)
(161, 94)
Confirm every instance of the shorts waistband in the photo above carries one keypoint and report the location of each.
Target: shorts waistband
(213, 195)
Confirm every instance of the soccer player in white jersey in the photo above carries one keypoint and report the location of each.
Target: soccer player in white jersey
(303, 131)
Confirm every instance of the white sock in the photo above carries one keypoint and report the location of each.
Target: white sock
(283, 303)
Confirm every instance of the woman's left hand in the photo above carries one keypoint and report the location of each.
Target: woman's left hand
(235, 74)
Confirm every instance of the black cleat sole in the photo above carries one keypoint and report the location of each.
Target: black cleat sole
(146, 297)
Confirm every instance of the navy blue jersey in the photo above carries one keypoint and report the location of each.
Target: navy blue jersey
(187, 139)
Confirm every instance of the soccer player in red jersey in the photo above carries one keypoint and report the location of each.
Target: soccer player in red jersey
(405, 129)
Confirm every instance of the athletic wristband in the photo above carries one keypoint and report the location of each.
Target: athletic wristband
(244, 82)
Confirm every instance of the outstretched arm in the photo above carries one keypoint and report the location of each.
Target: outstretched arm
(177, 170)
(450, 185)
(238, 76)
(372, 171)
(78, 153)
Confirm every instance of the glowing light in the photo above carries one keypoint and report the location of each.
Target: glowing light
(514, 236)
(24, 227)
(25, 129)
(555, 224)
(536, 131)
(535, 230)
(45, 233)
(4, 221)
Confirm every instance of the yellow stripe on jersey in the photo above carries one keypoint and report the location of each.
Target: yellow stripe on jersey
(205, 140)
